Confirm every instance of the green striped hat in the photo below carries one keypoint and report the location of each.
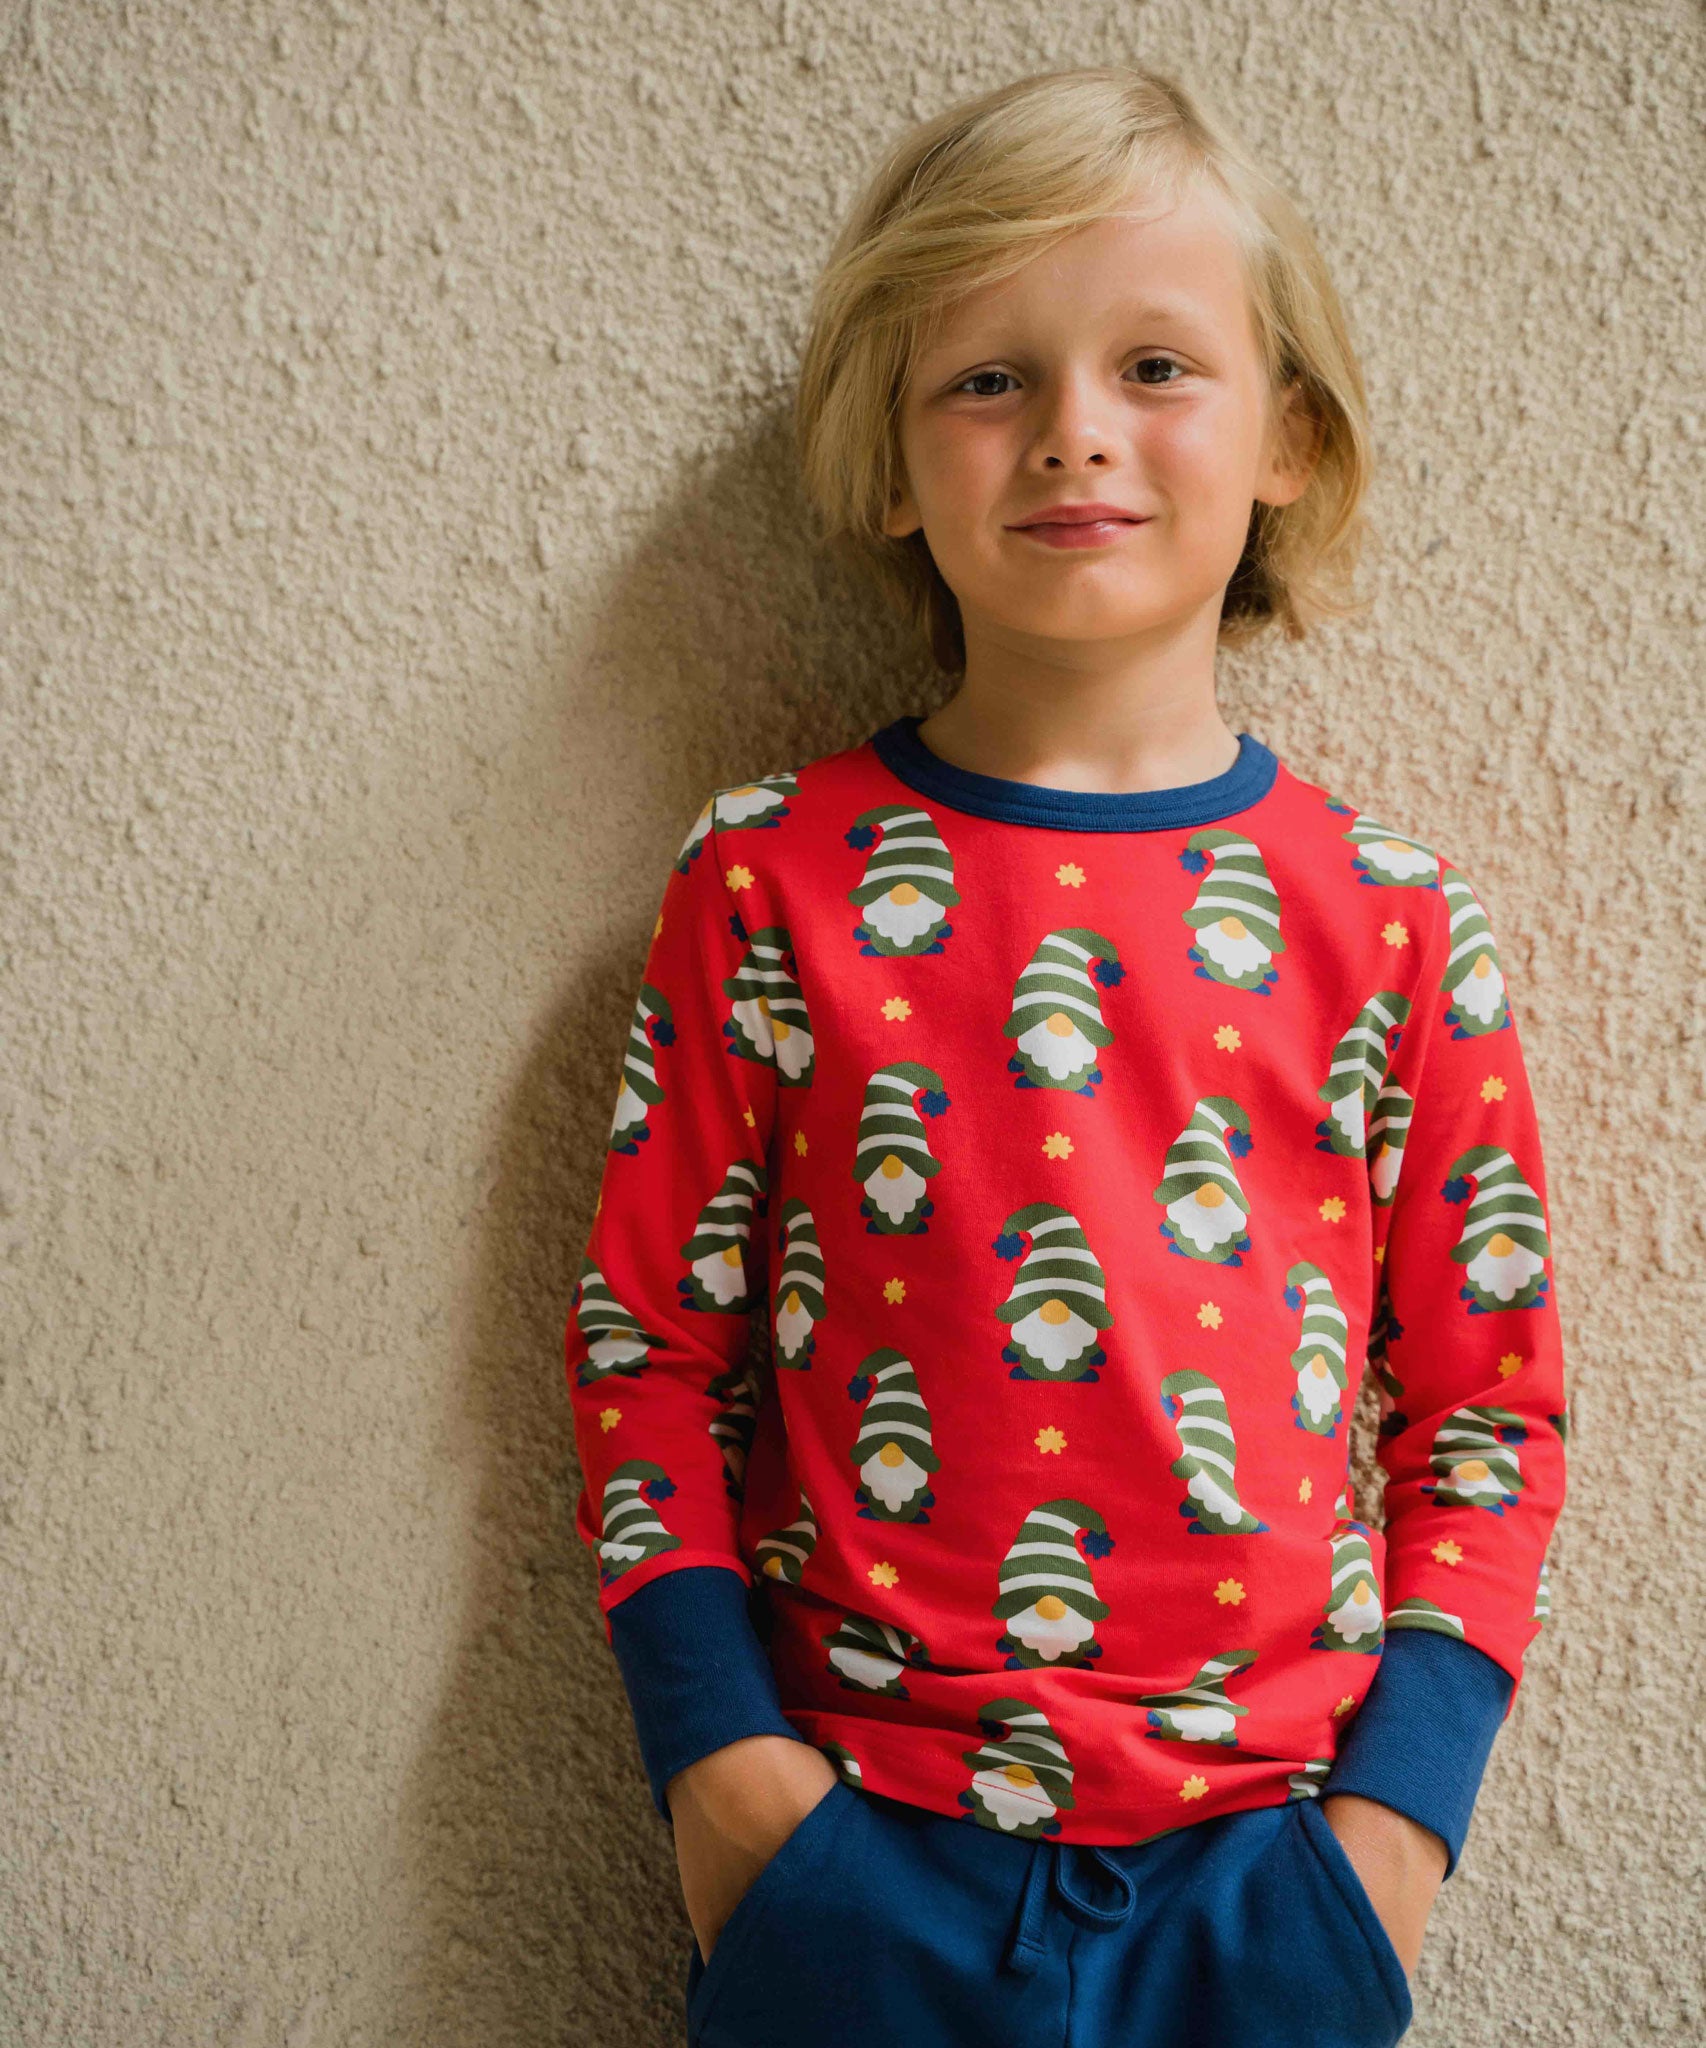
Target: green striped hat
(1359, 1065)
(1503, 1205)
(890, 1123)
(615, 1341)
(734, 1424)
(1473, 969)
(1029, 1745)
(1056, 983)
(629, 1530)
(910, 856)
(1389, 857)
(1388, 1129)
(861, 1636)
(1059, 1266)
(785, 1553)
(1324, 1324)
(1200, 1155)
(1207, 1689)
(768, 1008)
(799, 1286)
(1238, 887)
(894, 1413)
(1045, 1559)
(1195, 1406)
(1416, 1612)
(639, 1069)
(723, 1230)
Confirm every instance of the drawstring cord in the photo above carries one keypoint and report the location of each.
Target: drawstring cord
(1049, 1862)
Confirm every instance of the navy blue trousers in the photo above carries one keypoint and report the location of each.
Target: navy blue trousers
(877, 1922)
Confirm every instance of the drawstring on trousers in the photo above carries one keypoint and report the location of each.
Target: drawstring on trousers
(1049, 1863)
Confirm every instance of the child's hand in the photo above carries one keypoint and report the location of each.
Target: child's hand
(1401, 1864)
(732, 1811)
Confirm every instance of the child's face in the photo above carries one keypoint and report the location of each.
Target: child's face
(1119, 366)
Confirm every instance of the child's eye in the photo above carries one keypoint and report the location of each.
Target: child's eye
(1168, 362)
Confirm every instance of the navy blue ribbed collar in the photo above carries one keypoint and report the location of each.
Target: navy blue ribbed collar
(905, 755)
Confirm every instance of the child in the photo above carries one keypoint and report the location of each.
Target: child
(1084, 1095)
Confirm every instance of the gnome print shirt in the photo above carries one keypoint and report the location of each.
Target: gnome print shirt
(1006, 1192)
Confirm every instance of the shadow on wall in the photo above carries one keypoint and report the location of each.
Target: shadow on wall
(538, 1884)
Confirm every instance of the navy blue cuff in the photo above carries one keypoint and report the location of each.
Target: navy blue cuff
(697, 1674)
(1421, 1739)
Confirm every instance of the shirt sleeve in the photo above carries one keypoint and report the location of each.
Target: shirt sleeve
(664, 1403)
(1467, 1349)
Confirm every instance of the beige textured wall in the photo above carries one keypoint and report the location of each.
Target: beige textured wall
(399, 542)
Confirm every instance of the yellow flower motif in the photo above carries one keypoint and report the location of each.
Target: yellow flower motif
(1346, 1706)
(1493, 1088)
(1229, 1038)
(800, 1144)
(1380, 1254)
(883, 1575)
(1229, 1593)
(750, 1118)
(894, 1290)
(658, 927)
(1048, 1438)
(609, 1417)
(1446, 1552)
(1306, 1489)
(1395, 934)
(1208, 1315)
(1194, 1787)
(1069, 875)
(1511, 1362)
(896, 1009)
(1332, 1209)
(1057, 1145)
(738, 877)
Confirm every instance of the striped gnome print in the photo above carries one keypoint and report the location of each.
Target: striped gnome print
(1236, 915)
(1357, 1074)
(1056, 1308)
(716, 1268)
(1390, 860)
(1473, 977)
(907, 889)
(785, 1553)
(892, 1160)
(616, 1343)
(1474, 1459)
(1194, 1404)
(639, 1090)
(1199, 1711)
(1317, 1401)
(1419, 1613)
(1021, 1778)
(845, 1762)
(734, 1424)
(1388, 1128)
(1199, 1189)
(1047, 1598)
(767, 1018)
(869, 1655)
(1503, 1246)
(1351, 1618)
(629, 1530)
(1056, 1021)
(742, 807)
(893, 1450)
(797, 1306)
(1306, 1783)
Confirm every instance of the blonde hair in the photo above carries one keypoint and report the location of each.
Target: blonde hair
(971, 196)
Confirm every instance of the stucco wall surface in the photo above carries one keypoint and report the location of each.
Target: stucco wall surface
(399, 542)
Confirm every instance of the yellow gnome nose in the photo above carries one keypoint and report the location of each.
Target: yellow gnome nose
(1060, 1025)
(1234, 927)
(904, 894)
(892, 1168)
(1053, 1311)
(891, 1455)
(1051, 1607)
(1210, 1195)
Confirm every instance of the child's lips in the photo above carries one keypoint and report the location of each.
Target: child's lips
(1090, 533)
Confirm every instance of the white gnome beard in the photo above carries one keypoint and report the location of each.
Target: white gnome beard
(1503, 1273)
(735, 806)
(1061, 1052)
(1317, 1390)
(793, 1325)
(1480, 994)
(1050, 1636)
(1383, 1170)
(864, 1668)
(1475, 1480)
(1056, 1338)
(1213, 1498)
(1013, 1800)
(903, 915)
(722, 1275)
(1360, 1616)
(1201, 1724)
(1232, 945)
(895, 1193)
(1396, 862)
(620, 1550)
(1209, 1224)
(614, 1348)
(789, 1045)
(1348, 1114)
(630, 1110)
(893, 1485)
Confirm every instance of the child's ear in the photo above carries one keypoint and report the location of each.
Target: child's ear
(1295, 443)
(901, 517)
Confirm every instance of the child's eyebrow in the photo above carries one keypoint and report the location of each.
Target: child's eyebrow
(1184, 312)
